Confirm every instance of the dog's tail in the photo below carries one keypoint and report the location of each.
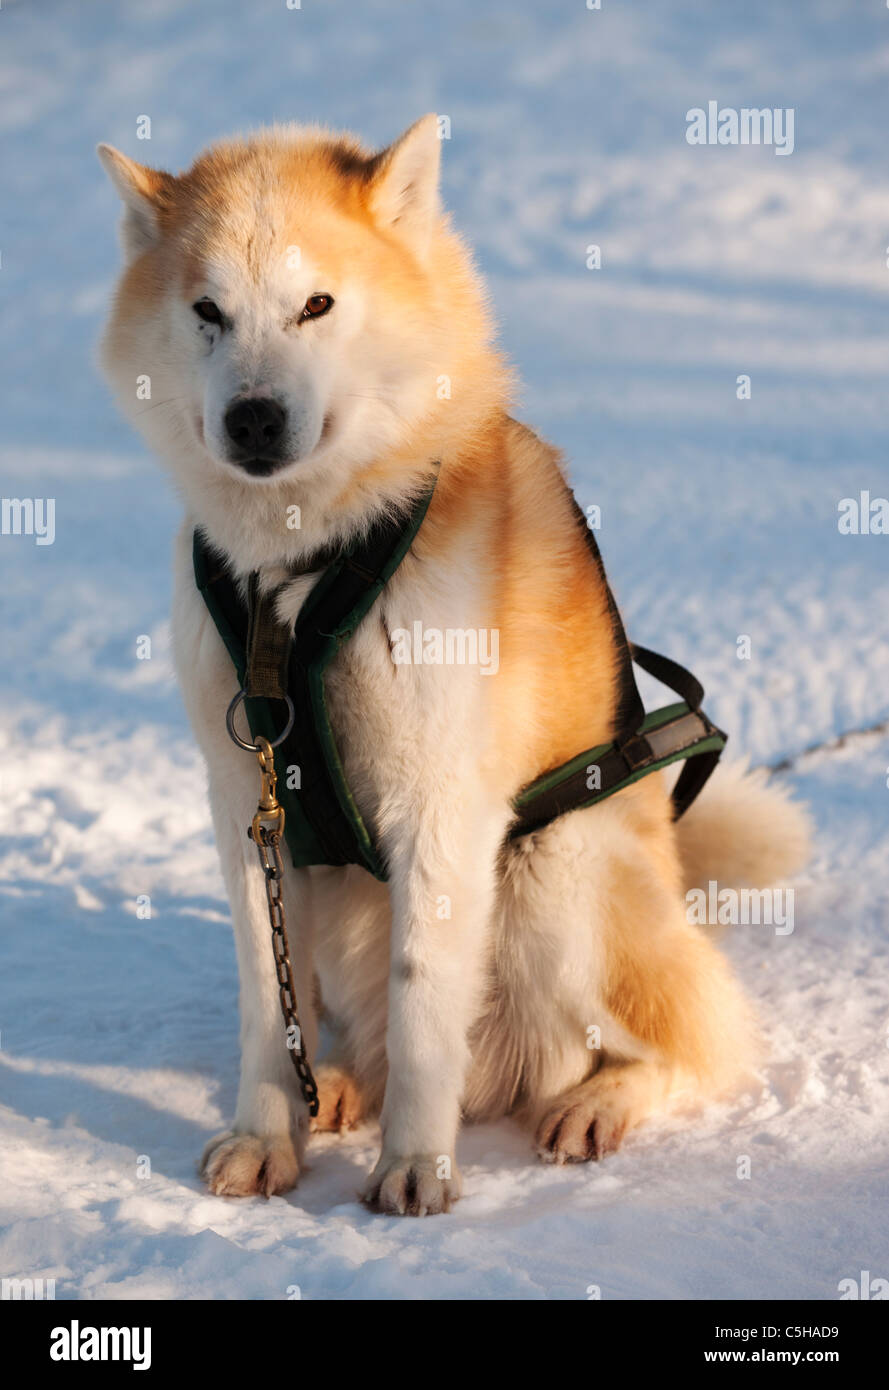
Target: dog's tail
(743, 831)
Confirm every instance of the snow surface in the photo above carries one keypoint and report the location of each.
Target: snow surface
(119, 1036)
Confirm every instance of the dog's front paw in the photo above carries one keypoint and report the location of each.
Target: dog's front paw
(421, 1185)
(242, 1165)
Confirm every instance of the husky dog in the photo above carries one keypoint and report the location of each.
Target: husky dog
(316, 336)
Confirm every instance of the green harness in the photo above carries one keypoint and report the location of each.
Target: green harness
(276, 663)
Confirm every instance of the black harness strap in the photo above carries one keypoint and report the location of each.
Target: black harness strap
(630, 710)
(699, 767)
(670, 674)
(329, 616)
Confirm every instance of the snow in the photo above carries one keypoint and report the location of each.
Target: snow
(119, 1035)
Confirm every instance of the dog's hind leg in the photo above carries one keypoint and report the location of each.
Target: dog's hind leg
(620, 999)
(341, 1101)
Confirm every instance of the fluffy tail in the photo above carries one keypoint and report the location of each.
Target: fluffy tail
(743, 831)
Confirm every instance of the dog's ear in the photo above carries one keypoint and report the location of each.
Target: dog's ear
(143, 191)
(404, 184)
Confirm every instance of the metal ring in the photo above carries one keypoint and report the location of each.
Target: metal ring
(236, 737)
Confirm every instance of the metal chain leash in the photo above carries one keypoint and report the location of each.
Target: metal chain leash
(266, 831)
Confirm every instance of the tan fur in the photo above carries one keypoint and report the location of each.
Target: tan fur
(577, 930)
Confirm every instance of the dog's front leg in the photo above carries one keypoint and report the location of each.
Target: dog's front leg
(263, 1151)
(442, 876)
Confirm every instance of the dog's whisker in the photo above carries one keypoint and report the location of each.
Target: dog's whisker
(170, 400)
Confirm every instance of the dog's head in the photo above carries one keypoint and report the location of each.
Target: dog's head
(292, 306)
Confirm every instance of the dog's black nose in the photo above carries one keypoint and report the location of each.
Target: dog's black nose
(255, 426)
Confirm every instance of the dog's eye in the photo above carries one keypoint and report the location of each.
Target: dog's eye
(316, 305)
(208, 311)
